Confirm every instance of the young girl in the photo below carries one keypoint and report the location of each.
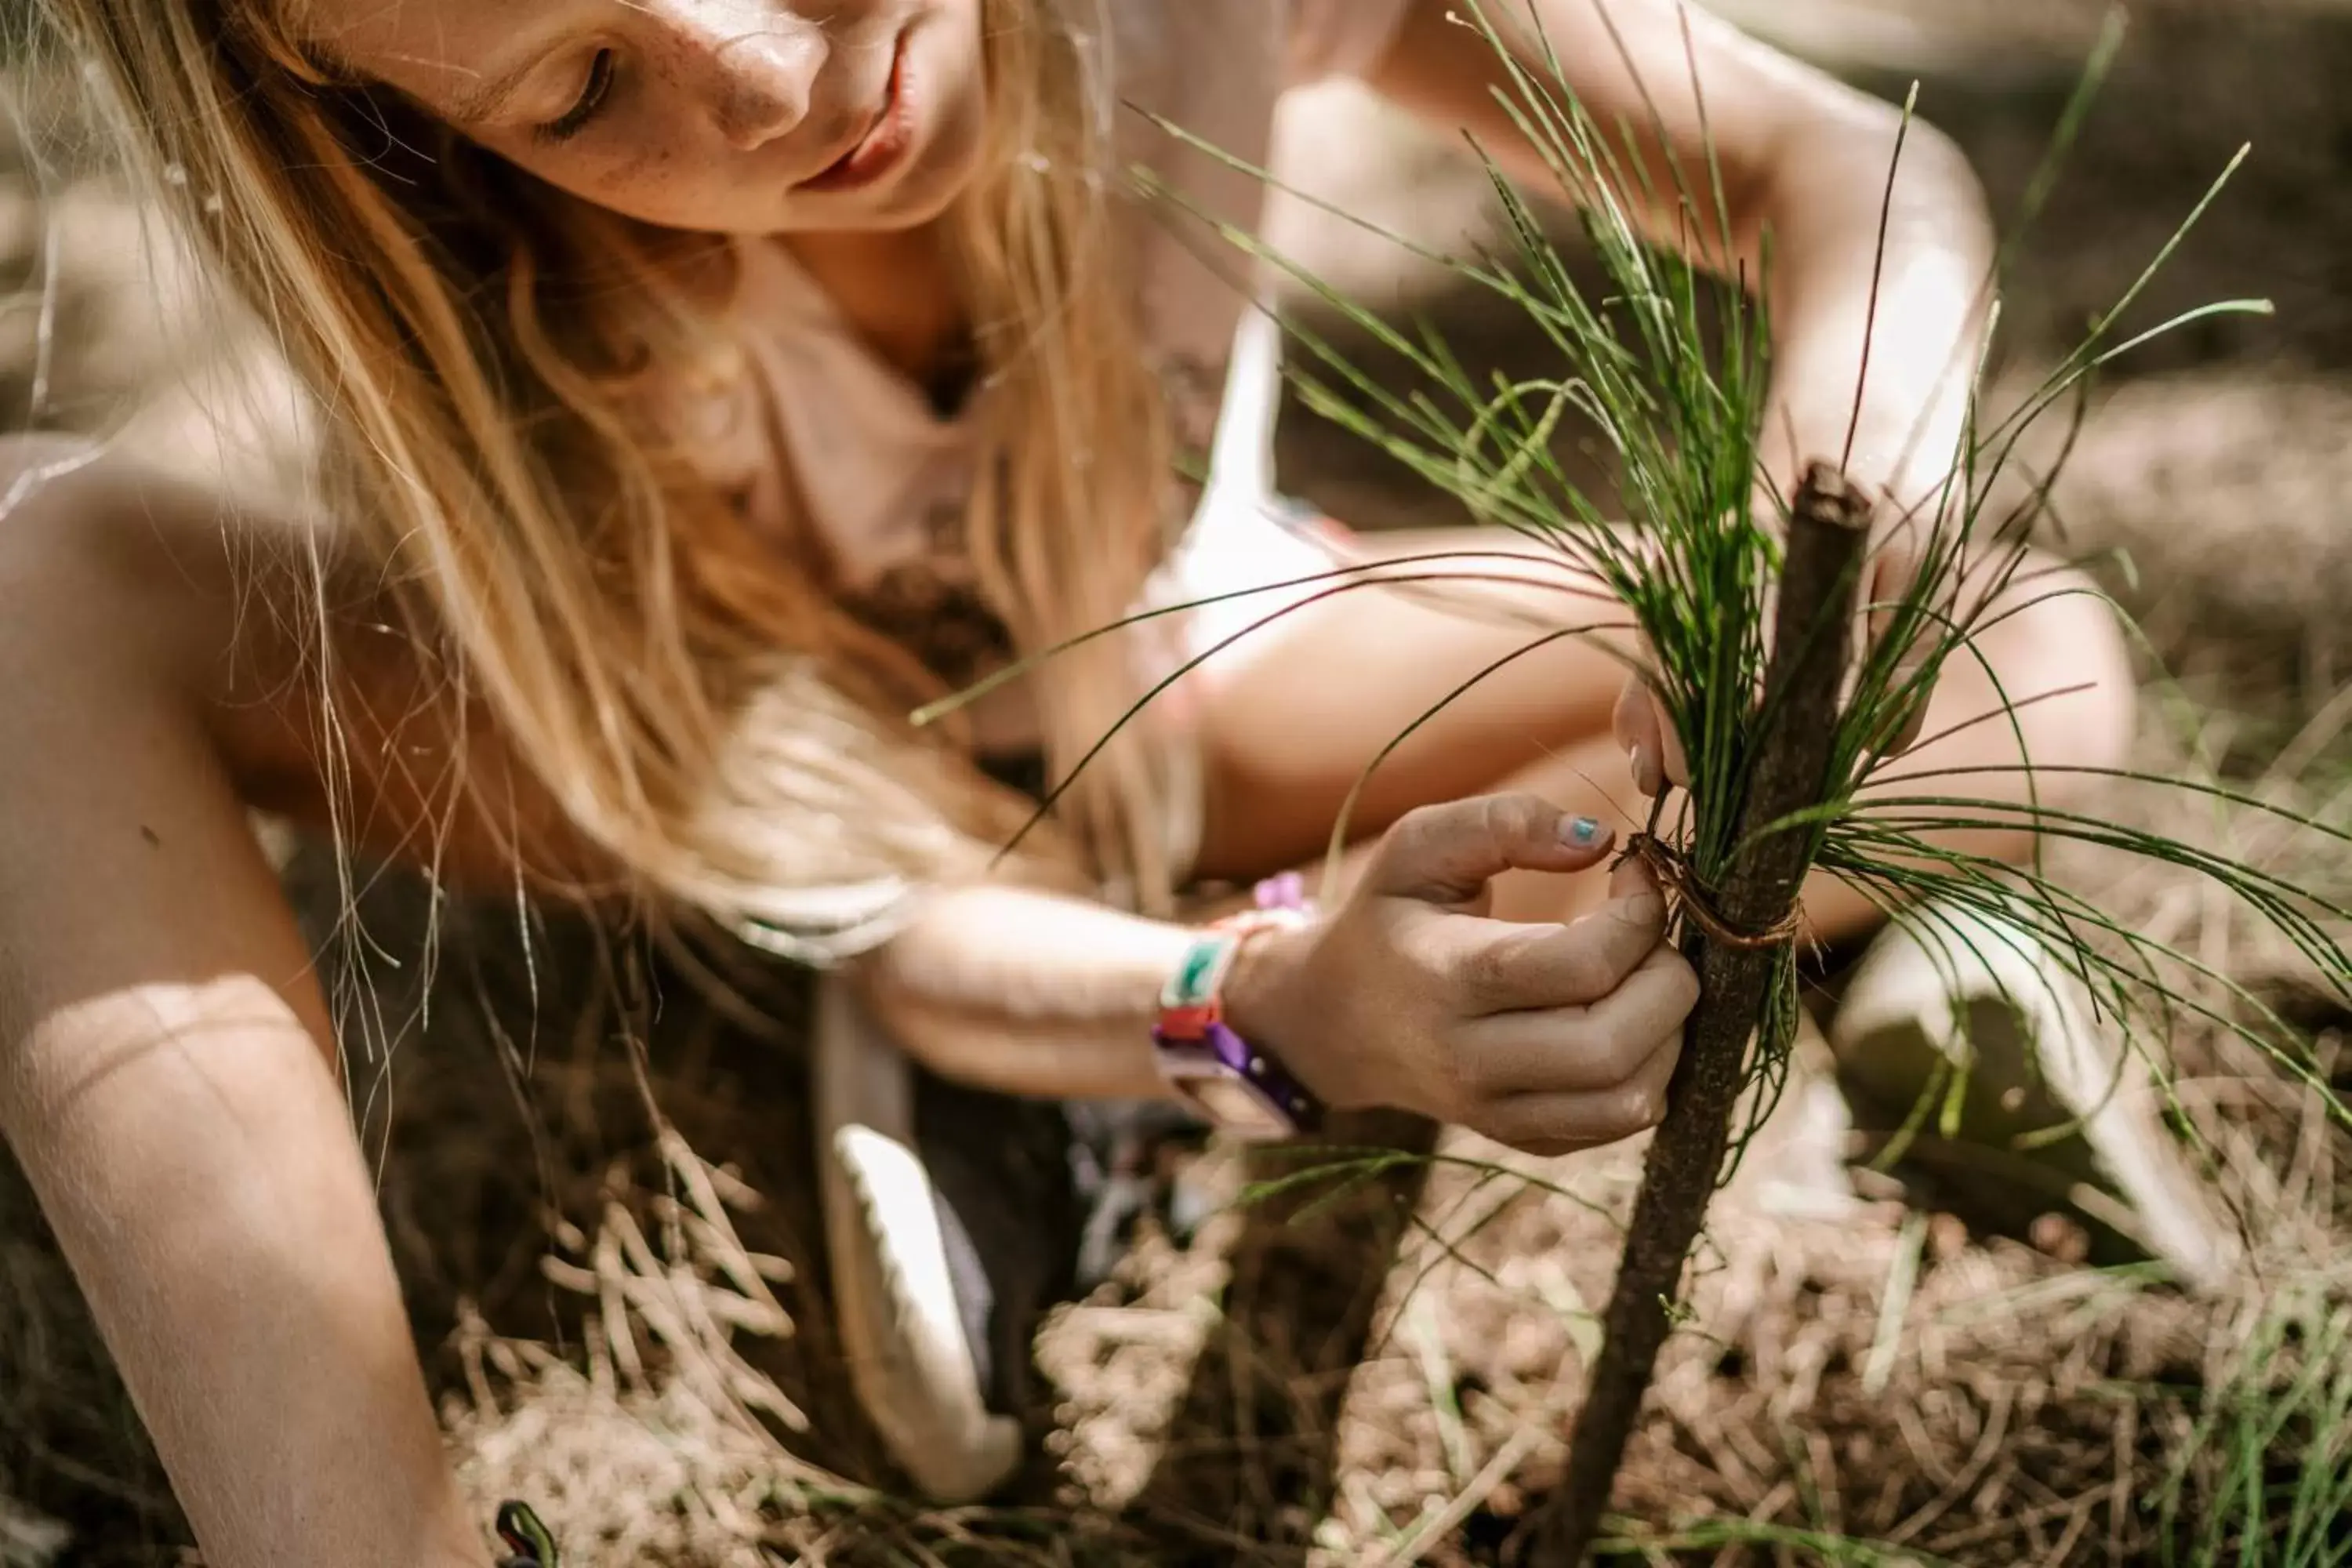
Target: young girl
(708, 383)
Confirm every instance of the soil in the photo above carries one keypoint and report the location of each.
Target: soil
(597, 1178)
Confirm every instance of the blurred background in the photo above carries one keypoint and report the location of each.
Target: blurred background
(1888, 1377)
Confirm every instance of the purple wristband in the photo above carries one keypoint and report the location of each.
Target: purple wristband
(1235, 1085)
(1286, 891)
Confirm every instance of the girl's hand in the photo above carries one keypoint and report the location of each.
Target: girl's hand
(1546, 1037)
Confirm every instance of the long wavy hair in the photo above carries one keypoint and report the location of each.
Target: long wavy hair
(481, 347)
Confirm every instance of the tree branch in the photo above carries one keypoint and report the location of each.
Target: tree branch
(1827, 536)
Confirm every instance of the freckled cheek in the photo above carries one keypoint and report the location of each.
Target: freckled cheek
(665, 185)
(633, 170)
(644, 162)
(655, 154)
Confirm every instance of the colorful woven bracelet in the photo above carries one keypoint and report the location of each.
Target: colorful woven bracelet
(1233, 1083)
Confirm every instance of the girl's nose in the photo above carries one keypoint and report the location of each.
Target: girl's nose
(761, 77)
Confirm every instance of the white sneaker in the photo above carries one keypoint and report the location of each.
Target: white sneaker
(912, 1357)
(2053, 1114)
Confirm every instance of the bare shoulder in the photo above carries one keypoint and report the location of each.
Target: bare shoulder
(71, 504)
(228, 593)
(320, 698)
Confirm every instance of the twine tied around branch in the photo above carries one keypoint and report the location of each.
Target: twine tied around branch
(1673, 869)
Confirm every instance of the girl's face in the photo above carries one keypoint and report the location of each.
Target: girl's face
(734, 116)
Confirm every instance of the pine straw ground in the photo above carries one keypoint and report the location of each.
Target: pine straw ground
(623, 1306)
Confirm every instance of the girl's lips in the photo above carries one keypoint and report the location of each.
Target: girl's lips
(885, 142)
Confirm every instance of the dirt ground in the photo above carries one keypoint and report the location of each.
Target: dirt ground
(596, 1177)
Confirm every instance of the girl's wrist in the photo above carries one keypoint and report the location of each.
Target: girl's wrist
(1254, 984)
(1223, 1027)
(1261, 1002)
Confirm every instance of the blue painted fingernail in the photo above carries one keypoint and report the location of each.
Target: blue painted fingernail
(1583, 831)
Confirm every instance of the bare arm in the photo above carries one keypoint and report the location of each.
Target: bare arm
(1544, 1037)
(1803, 157)
(1875, 348)
(1025, 992)
(166, 1063)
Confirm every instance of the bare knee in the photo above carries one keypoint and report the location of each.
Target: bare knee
(2054, 644)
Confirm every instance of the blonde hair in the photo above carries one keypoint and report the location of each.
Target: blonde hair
(700, 711)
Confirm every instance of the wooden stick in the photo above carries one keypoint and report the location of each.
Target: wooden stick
(1827, 535)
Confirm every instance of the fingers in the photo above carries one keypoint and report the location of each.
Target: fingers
(1652, 746)
(1563, 1123)
(1517, 968)
(1588, 1049)
(1636, 725)
(1447, 854)
(1677, 764)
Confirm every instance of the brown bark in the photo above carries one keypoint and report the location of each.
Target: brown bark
(1828, 531)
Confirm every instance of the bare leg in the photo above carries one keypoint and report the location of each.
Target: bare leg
(1292, 715)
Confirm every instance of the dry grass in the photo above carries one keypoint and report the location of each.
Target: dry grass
(662, 1383)
(598, 1186)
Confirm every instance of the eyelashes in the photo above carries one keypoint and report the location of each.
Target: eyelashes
(592, 95)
